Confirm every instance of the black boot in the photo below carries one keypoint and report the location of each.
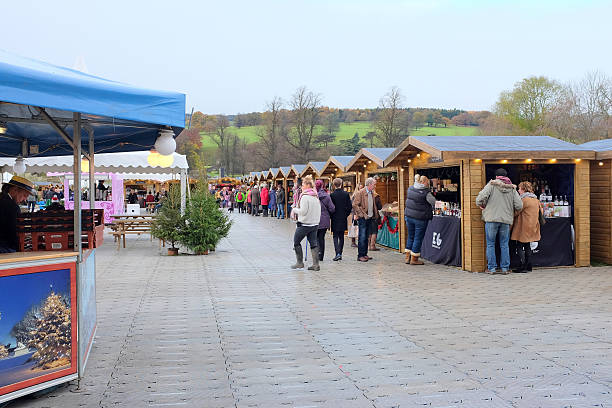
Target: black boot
(521, 253)
(528, 254)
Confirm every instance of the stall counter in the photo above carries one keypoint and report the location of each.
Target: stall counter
(56, 286)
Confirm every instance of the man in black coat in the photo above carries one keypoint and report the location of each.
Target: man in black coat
(342, 202)
(13, 193)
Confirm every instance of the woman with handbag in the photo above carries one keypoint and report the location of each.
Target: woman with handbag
(353, 232)
(307, 212)
(526, 227)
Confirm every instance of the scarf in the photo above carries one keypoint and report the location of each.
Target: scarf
(504, 179)
(308, 191)
(528, 194)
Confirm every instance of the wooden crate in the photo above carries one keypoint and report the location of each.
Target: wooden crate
(54, 231)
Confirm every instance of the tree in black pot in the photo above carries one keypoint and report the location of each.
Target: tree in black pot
(205, 223)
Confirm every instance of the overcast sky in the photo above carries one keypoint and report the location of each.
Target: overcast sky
(233, 56)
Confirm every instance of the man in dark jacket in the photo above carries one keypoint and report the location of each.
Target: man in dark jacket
(280, 201)
(13, 193)
(342, 202)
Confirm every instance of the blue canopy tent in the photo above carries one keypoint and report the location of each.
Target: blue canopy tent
(47, 110)
(121, 117)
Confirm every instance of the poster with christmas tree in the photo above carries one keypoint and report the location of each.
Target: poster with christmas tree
(37, 325)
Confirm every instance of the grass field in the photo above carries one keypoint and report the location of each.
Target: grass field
(347, 130)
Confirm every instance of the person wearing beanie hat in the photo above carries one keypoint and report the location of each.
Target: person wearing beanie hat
(498, 201)
(15, 192)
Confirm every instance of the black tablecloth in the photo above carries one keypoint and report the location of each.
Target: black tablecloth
(554, 247)
(442, 241)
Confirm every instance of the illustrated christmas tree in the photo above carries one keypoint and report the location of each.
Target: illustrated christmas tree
(52, 337)
(3, 350)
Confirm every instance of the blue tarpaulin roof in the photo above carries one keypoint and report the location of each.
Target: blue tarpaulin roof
(122, 117)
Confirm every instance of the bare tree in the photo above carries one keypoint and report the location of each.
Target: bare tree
(584, 110)
(272, 134)
(305, 116)
(390, 125)
(217, 128)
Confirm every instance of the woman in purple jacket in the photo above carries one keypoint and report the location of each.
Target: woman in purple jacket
(327, 208)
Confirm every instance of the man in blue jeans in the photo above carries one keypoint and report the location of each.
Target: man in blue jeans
(498, 201)
(364, 205)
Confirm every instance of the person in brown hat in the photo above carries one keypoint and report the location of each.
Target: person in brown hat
(13, 193)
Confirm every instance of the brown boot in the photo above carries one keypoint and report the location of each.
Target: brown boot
(408, 257)
(414, 260)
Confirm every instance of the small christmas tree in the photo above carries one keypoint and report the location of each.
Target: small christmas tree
(52, 339)
(169, 223)
(205, 223)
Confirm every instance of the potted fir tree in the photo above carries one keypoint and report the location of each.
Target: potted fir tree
(205, 223)
(169, 223)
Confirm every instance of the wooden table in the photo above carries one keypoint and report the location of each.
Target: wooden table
(131, 224)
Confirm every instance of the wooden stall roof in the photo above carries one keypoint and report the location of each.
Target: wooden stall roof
(499, 147)
(333, 162)
(602, 148)
(313, 167)
(375, 154)
(272, 172)
(264, 174)
(284, 171)
(297, 169)
(253, 175)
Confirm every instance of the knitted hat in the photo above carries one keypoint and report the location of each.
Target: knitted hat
(319, 184)
(22, 183)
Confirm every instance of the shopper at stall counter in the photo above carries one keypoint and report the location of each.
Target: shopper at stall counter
(526, 228)
(342, 203)
(418, 212)
(498, 201)
(364, 206)
(13, 193)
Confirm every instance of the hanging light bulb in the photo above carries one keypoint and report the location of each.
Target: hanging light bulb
(165, 143)
(19, 165)
(2, 128)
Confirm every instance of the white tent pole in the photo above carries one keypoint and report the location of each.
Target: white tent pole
(92, 174)
(76, 139)
(183, 191)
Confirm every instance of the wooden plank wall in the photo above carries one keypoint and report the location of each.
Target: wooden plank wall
(582, 213)
(387, 191)
(601, 211)
(473, 179)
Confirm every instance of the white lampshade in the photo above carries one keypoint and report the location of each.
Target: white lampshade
(19, 165)
(165, 143)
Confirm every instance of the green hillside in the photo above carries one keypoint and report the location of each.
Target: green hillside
(347, 130)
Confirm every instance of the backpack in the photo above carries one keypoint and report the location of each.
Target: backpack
(239, 196)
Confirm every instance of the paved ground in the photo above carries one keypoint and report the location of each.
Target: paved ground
(238, 328)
